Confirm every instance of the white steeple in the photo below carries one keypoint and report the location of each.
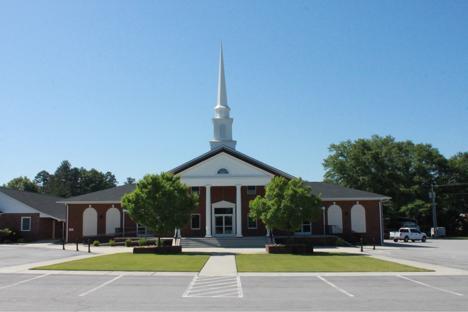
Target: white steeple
(222, 123)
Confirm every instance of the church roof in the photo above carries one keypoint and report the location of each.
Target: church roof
(234, 153)
(43, 203)
(111, 195)
(328, 191)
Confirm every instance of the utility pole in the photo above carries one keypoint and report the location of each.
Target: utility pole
(434, 210)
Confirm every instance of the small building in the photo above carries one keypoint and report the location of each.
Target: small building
(32, 216)
(226, 180)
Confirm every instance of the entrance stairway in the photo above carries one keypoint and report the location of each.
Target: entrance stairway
(226, 242)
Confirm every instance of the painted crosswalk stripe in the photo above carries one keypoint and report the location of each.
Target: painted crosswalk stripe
(214, 287)
(430, 286)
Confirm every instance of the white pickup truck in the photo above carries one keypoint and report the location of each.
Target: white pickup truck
(406, 234)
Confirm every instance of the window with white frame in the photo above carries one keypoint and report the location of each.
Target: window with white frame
(251, 223)
(195, 221)
(25, 224)
(195, 189)
(251, 190)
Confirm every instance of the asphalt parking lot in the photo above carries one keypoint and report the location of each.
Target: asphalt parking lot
(61, 292)
(12, 255)
(446, 252)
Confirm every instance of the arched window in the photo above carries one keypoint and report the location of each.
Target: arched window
(223, 171)
(335, 219)
(112, 220)
(90, 222)
(358, 219)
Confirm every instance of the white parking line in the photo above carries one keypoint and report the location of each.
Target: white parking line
(100, 286)
(430, 286)
(25, 281)
(336, 287)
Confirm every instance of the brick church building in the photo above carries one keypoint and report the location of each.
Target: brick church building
(226, 180)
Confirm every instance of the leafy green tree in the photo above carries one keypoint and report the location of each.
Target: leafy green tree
(400, 169)
(94, 180)
(285, 205)
(42, 180)
(161, 202)
(22, 184)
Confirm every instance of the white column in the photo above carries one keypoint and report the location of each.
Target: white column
(208, 211)
(238, 211)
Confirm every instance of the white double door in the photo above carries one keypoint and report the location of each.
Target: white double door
(223, 222)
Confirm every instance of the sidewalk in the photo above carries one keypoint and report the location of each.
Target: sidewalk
(220, 265)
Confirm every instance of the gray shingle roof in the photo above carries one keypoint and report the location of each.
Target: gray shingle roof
(110, 195)
(44, 203)
(328, 191)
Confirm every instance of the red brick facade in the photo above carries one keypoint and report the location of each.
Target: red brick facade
(228, 193)
(41, 228)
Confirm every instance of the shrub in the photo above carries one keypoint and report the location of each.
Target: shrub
(7, 235)
(142, 242)
(112, 243)
(96, 243)
(128, 242)
(21, 240)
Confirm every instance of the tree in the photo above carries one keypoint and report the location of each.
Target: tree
(42, 180)
(22, 184)
(285, 205)
(402, 170)
(161, 202)
(129, 181)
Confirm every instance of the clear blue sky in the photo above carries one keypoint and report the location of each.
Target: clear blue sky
(130, 86)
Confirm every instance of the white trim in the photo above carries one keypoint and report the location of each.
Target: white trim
(223, 204)
(239, 210)
(199, 221)
(353, 198)
(30, 224)
(90, 202)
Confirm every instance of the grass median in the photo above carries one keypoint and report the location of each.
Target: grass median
(318, 262)
(134, 262)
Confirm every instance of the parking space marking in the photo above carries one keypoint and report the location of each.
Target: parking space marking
(214, 287)
(100, 286)
(430, 286)
(334, 286)
(25, 281)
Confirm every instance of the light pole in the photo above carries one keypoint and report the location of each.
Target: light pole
(323, 217)
(434, 210)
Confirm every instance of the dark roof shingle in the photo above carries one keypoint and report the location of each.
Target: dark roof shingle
(111, 195)
(44, 203)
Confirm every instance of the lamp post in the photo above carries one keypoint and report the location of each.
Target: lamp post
(323, 217)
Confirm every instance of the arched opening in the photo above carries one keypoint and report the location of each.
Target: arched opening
(112, 220)
(358, 219)
(335, 219)
(90, 222)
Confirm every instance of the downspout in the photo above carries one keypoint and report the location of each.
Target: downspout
(381, 223)
(66, 226)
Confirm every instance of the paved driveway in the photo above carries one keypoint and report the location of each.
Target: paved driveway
(13, 255)
(445, 252)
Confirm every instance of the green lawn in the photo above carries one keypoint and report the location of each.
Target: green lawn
(318, 262)
(134, 262)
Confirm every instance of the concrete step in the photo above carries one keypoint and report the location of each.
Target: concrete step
(227, 242)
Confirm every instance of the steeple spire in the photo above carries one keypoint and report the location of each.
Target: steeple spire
(222, 122)
(222, 96)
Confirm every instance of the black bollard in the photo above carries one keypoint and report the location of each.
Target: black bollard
(77, 246)
(63, 244)
(362, 246)
(374, 244)
(89, 246)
